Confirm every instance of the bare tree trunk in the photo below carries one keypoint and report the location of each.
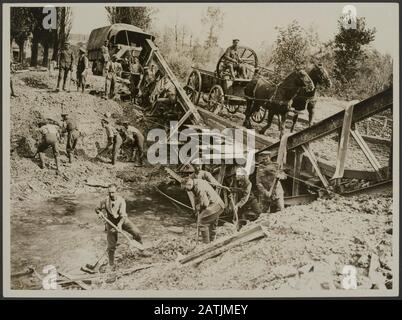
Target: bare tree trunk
(45, 54)
(34, 49)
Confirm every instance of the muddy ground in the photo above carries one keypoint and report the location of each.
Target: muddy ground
(53, 222)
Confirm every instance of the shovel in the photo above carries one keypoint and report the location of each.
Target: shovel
(93, 268)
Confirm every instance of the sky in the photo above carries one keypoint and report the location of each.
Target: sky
(255, 23)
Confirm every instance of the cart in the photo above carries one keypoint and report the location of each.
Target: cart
(219, 89)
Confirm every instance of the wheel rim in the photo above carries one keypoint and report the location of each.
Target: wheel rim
(232, 108)
(215, 98)
(250, 61)
(193, 87)
(259, 115)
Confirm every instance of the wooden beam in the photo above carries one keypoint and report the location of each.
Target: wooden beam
(223, 244)
(181, 94)
(313, 160)
(368, 153)
(298, 158)
(362, 110)
(300, 199)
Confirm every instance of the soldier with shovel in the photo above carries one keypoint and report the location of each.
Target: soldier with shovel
(117, 221)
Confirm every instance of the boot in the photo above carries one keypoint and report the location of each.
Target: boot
(212, 232)
(111, 259)
(205, 234)
(70, 158)
(42, 160)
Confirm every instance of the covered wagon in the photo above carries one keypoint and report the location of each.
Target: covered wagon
(122, 39)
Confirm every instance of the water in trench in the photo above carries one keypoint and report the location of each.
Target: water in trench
(66, 233)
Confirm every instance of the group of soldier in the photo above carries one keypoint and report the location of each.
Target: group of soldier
(245, 199)
(53, 133)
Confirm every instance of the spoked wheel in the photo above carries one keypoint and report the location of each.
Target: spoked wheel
(193, 87)
(249, 58)
(232, 108)
(259, 115)
(216, 98)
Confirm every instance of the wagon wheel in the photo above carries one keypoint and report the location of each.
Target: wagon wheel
(250, 61)
(259, 115)
(216, 98)
(193, 87)
(232, 108)
(233, 103)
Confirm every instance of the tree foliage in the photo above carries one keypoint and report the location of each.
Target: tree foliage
(293, 48)
(349, 48)
(213, 19)
(138, 16)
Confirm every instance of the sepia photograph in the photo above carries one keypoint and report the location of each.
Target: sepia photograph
(200, 150)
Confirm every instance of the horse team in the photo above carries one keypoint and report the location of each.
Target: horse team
(295, 93)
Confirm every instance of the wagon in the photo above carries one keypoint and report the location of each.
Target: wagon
(122, 38)
(218, 88)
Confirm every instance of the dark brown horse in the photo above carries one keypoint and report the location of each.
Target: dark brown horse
(277, 99)
(305, 99)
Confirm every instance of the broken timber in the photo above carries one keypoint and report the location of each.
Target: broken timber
(224, 244)
(362, 110)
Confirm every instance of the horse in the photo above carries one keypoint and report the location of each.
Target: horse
(305, 99)
(277, 99)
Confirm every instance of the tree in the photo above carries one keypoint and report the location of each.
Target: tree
(137, 16)
(213, 19)
(20, 27)
(293, 48)
(349, 49)
(62, 33)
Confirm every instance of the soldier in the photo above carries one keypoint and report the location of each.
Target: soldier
(208, 205)
(111, 77)
(70, 128)
(247, 206)
(105, 56)
(136, 140)
(65, 63)
(202, 174)
(115, 207)
(82, 70)
(233, 61)
(113, 139)
(269, 186)
(50, 138)
(136, 74)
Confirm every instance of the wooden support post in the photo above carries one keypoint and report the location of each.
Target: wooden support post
(221, 176)
(314, 162)
(296, 171)
(181, 94)
(368, 153)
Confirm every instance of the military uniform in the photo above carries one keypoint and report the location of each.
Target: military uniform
(209, 205)
(66, 62)
(50, 139)
(248, 205)
(205, 175)
(71, 128)
(116, 210)
(232, 62)
(137, 140)
(266, 176)
(111, 77)
(82, 69)
(136, 72)
(115, 140)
